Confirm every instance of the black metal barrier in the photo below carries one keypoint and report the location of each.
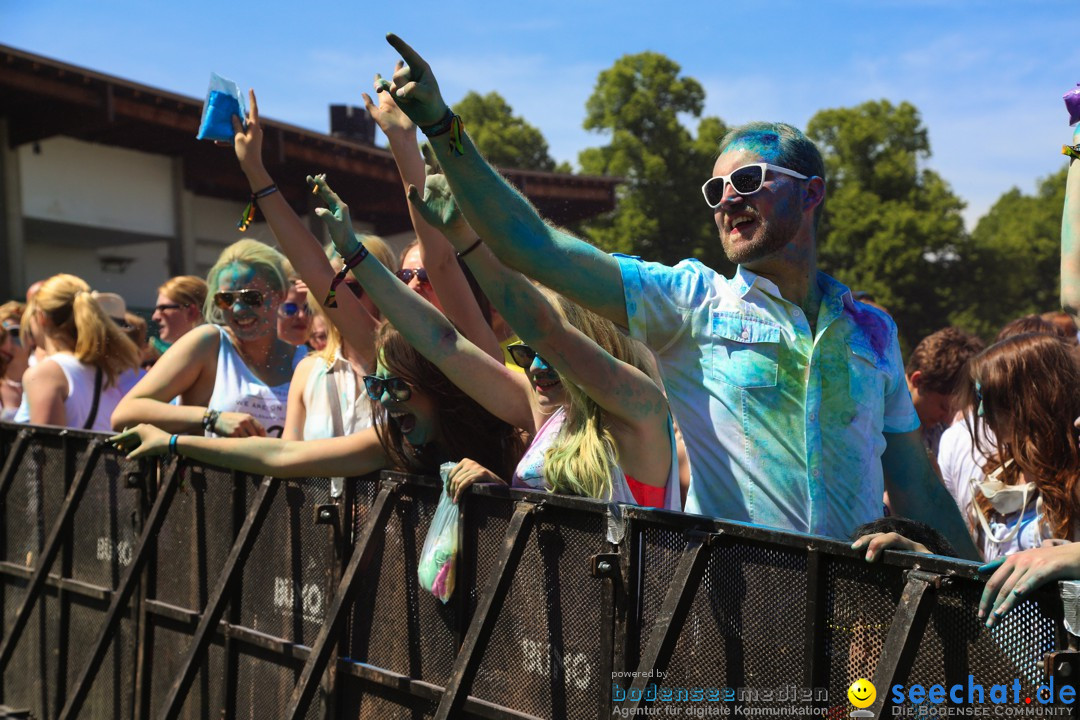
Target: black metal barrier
(132, 590)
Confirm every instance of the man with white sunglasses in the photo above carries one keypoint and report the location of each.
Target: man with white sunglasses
(790, 395)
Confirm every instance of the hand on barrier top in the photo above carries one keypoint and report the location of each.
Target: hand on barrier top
(876, 542)
(467, 472)
(142, 441)
(1018, 575)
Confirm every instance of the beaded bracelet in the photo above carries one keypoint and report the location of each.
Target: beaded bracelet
(249, 211)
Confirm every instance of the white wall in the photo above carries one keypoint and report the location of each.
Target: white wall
(137, 284)
(78, 182)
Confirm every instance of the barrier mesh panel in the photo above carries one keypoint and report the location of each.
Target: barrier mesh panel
(396, 624)
(105, 524)
(196, 536)
(168, 643)
(661, 549)
(544, 654)
(746, 626)
(361, 700)
(32, 501)
(263, 686)
(112, 692)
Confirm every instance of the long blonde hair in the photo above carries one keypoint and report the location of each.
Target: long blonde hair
(75, 315)
(377, 247)
(265, 260)
(583, 457)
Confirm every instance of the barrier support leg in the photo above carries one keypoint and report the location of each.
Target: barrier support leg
(487, 612)
(52, 546)
(905, 635)
(374, 527)
(215, 605)
(122, 595)
(669, 621)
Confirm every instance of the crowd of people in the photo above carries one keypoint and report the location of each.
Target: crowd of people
(527, 356)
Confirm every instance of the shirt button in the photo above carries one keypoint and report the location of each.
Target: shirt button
(745, 334)
(813, 417)
(797, 312)
(816, 473)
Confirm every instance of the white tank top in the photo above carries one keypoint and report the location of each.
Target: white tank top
(236, 389)
(318, 412)
(80, 399)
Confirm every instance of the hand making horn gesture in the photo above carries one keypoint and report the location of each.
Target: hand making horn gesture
(414, 87)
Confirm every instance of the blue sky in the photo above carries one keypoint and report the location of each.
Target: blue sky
(987, 76)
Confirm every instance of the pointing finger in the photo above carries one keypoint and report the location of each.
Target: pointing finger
(410, 56)
(254, 106)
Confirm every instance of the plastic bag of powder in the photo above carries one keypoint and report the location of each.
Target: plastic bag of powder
(222, 102)
(438, 559)
(1072, 104)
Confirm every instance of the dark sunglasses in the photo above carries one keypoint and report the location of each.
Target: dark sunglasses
(226, 299)
(170, 306)
(291, 309)
(523, 355)
(395, 387)
(746, 180)
(406, 274)
(13, 331)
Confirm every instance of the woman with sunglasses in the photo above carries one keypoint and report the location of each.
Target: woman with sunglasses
(232, 376)
(11, 379)
(601, 425)
(179, 307)
(424, 421)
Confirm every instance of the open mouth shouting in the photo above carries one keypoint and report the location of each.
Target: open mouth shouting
(545, 380)
(406, 421)
(740, 223)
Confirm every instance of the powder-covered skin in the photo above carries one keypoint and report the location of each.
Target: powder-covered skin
(1070, 242)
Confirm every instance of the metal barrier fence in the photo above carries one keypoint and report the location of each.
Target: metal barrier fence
(132, 590)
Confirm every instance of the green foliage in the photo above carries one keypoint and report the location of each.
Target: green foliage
(660, 213)
(1011, 261)
(505, 139)
(889, 227)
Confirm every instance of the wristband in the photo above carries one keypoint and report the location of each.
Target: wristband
(461, 255)
(450, 123)
(350, 262)
(209, 420)
(1072, 151)
(173, 452)
(249, 211)
(440, 127)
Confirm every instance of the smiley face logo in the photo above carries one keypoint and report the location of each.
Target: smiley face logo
(862, 693)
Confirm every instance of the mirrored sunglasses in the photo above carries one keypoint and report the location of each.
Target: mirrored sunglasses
(406, 274)
(226, 298)
(291, 309)
(395, 387)
(746, 180)
(523, 355)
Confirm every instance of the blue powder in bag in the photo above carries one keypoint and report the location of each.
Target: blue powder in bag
(217, 117)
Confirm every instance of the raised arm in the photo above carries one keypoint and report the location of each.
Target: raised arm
(619, 388)
(437, 255)
(304, 251)
(502, 392)
(498, 212)
(356, 454)
(1070, 238)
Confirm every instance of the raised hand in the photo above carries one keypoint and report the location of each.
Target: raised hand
(386, 113)
(336, 216)
(249, 136)
(414, 87)
(438, 207)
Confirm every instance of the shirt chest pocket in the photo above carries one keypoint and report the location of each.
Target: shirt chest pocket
(744, 350)
(866, 373)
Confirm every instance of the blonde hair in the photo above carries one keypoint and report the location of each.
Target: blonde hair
(583, 457)
(262, 258)
(12, 310)
(377, 247)
(186, 290)
(75, 315)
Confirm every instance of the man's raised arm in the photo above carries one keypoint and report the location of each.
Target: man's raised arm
(506, 221)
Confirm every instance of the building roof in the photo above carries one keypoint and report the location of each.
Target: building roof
(41, 98)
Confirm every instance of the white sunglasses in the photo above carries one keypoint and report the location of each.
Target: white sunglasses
(746, 180)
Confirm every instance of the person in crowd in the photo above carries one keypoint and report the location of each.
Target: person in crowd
(232, 376)
(899, 533)
(320, 332)
(790, 395)
(179, 307)
(11, 379)
(1065, 325)
(7, 355)
(933, 371)
(600, 425)
(89, 363)
(294, 315)
(326, 397)
(423, 420)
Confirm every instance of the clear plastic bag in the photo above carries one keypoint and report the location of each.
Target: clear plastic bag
(222, 102)
(438, 559)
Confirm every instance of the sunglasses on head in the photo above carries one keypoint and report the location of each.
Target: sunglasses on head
(227, 298)
(291, 309)
(406, 274)
(395, 387)
(523, 355)
(746, 180)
